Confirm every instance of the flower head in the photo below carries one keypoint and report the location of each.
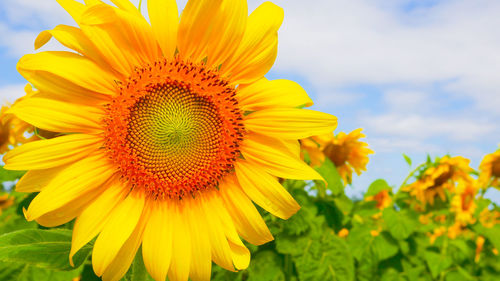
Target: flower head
(383, 199)
(463, 203)
(169, 131)
(344, 150)
(442, 176)
(13, 131)
(489, 170)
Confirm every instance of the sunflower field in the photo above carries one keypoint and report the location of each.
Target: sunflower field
(434, 226)
(157, 149)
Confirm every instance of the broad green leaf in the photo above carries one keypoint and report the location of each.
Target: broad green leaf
(137, 270)
(437, 262)
(400, 224)
(344, 203)
(377, 186)
(24, 272)
(459, 274)
(12, 218)
(407, 159)
(385, 246)
(325, 258)
(329, 172)
(266, 266)
(41, 248)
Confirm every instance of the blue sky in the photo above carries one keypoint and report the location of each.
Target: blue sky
(419, 76)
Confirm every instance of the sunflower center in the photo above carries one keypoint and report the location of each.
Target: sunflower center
(337, 153)
(495, 168)
(174, 129)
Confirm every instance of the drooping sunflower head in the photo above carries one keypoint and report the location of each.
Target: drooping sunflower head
(168, 131)
(344, 150)
(489, 170)
(13, 131)
(439, 177)
(463, 203)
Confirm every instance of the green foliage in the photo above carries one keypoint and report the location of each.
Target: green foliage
(391, 244)
(8, 175)
(41, 248)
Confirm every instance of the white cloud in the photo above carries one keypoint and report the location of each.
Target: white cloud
(422, 127)
(339, 42)
(10, 93)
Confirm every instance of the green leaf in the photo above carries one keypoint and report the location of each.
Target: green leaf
(400, 224)
(407, 159)
(459, 274)
(385, 246)
(8, 175)
(437, 262)
(266, 266)
(137, 270)
(12, 218)
(24, 272)
(41, 248)
(325, 258)
(329, 172)
(491, 233)
(377, 186)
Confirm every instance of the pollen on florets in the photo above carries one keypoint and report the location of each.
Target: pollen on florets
(174, 128)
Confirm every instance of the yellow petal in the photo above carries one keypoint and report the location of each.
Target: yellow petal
(228, 28)
(74, 8)
(44, 154)
(195, 28)
(245, 216)
(82, 178)
(157, 239)
(275, 158)
(221, 252)
(68, 211)
(73, 38)
(119, 227)
(265, 94)
(93, 219)
(258, 48)
(164, 19)
(56, 116)
(56, 71)
(240, 254)
(119, 266)
(35, 180)
(290, 123)
(181, 248)
(125, 40)
(201, 258)
(265, 190)
(126, 5)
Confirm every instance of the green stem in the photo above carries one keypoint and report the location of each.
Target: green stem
(411, 174)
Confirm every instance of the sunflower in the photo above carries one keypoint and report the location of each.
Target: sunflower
(436, 179)
(13, 131)
(463, 203)
(344, 150)
(489, 170)
(170, 133)
(489, 218)
(383, 199)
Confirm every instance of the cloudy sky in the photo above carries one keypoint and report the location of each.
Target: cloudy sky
(421, 77)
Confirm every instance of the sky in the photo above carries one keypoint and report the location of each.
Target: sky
(420, 77)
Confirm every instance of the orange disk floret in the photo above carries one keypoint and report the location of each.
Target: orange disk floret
(174, 128)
